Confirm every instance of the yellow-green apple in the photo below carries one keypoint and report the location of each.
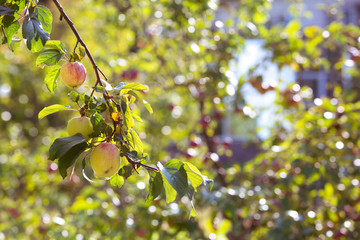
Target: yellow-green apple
(105, 159)
(80, 125)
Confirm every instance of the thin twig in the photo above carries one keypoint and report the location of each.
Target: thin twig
(103, 74)
(77, 42)
(132, 162)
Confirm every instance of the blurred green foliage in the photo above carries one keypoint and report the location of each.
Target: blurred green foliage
(304, 185)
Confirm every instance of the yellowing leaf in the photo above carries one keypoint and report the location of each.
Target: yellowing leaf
(116, 116)
(194, 175)
(52, 109)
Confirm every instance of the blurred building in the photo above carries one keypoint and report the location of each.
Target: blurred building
(311, 12)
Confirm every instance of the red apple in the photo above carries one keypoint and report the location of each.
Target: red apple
(73, 74)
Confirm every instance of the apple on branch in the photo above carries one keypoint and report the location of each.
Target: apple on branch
(105, 159)
(73, 74)
(80, 125)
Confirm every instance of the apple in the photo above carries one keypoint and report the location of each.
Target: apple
(73, 74)
(171, 106)
(14, 212)
(131, 74)
(80, 125)
(105, 159)
(205, 121)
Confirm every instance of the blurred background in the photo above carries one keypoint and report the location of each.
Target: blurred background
(261, 95)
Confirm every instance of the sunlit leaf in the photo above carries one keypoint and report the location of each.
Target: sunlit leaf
(56, 44)
(52, 109)
(45, 17)
(51, 77)
(117, 180)
(129, 120)
(170, 192)
(49, 57)
(194, 175)
(140, 99)
(137, 143)
(11, 28)
(173, 171)
(135, 86)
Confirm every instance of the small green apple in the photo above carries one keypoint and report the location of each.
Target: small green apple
(105, 159)
(80, 125)
(73, 74)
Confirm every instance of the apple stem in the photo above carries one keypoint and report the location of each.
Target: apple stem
(77, 42)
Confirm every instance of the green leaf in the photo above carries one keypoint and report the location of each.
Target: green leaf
(129, 120)
(137, 117)
(15, 43)
(148, 107)
(193, 212)
(36, 37)
(100, 126)
(126, 171)
(49, 57)
(69, 157)
(62, 145)
(82, 52)
(45, 17)
(170, 192)
(56, 44)
(155, 185)
(135, 86)
(52, 109)
(190, 195)
(140, 99)
(117, 180)
(101, 108)
(99, 89)
(74, 96)
(173, 171)
(10, 31)
(51, 77)
(98, 123)
(120, 86)
(194, 175)
(137, 144)
(4, 10)
(132, 100)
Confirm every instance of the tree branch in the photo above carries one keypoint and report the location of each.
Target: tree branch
(134, 163)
